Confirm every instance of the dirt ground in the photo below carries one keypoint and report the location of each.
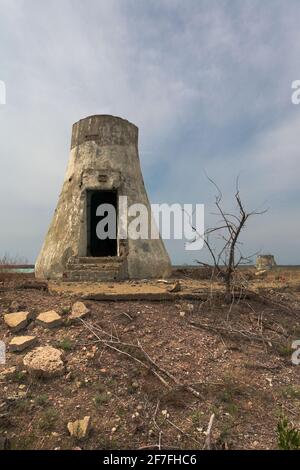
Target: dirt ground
(182, 359)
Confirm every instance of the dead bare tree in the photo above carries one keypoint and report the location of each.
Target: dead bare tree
(228, 257)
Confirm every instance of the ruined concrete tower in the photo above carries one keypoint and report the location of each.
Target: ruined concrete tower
(265, 262)
(104, 165)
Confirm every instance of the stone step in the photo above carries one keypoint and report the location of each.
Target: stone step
(116, 260)
(93, 267)
(83, 275)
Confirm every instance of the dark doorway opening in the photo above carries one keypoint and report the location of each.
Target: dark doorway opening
(96, 246)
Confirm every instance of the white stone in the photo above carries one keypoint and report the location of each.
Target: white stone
(19, 343)
(79, 310)
(44, 362)
(17, 321)
(49, 319)
(80, 428)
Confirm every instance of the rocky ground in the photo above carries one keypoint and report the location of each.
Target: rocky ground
(145, 374)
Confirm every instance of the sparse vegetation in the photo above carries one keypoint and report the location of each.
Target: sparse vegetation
(66, 310)
(285, 349)
(19, 376)
(65, 344)
(24, 441)
(101, 398)
(197, 417)
(22, 405)
(229, 394)
(233, 363)
(48, 419)
(41, 400)
(288, 435)
(8, 260)
(291, 391)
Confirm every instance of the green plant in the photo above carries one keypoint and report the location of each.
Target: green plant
(22, 405)
(288, 436)
(230, 393)
(292, 392)
(121, 411)
(66, 310)
(232, 408)
(24, 442)
(112, 382)
(48, 419)
(196, 418)
(225, 436)
(284, 350)
(65, 344)
(133, 386)
(18, 376)
(41, 400)
(101, 399)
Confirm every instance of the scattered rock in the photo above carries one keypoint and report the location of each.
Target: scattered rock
(49, 319)
(15, 397)
(80, 428)
(44, 362)
(17, 321)
(79, 310)
(19, 343)
(69, 376)
(182, 314)
(261, 273)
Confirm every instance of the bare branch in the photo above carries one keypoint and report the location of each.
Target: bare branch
(228, 229)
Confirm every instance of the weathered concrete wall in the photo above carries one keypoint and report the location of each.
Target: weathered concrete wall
(265, 262)
(104, 155)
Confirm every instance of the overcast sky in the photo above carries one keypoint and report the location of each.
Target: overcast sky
(207, 82)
